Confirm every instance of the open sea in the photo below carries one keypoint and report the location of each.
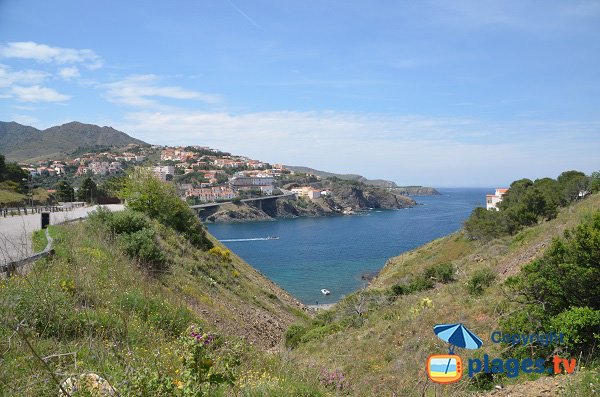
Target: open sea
(334, 252)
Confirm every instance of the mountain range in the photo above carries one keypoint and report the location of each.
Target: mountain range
(20, 142)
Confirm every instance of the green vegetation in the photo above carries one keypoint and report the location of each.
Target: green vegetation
(88, 191)
(443, 273)
(11, 183)
(64, 191)
(94, 307)
(527, 202)
(480, 280)
(562, 289)
(380, 337)
(146, 194)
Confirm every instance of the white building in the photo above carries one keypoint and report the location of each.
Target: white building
(307, 191)
(161, 171)
(492, 200)
(262, 182)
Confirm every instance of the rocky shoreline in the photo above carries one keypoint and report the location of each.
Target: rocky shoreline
(344, 198)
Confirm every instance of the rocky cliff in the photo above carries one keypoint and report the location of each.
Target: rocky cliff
(344, 198)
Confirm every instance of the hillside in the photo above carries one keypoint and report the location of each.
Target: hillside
(19, 142)
(203, 326)
(380, 340)
(345, 197)
(409, 190)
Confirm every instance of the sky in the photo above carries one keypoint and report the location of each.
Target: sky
(436, 93)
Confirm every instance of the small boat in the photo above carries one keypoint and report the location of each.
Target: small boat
(272, 238)
(325, 291)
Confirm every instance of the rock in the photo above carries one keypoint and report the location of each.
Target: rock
(91, 384)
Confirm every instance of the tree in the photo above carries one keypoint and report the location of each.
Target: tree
(143, 192)
(11, 172)
(571, 183)
(88, 191)
(64, 191)
(595, 182)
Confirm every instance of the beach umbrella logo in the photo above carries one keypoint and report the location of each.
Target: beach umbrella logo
(447, 368)
(457, 335)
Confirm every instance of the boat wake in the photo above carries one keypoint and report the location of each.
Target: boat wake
(231, 240)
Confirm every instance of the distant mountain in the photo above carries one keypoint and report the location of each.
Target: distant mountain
(346, 177)
(409, 190)
(20, 142)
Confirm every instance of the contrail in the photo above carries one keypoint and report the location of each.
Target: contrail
(242, 13)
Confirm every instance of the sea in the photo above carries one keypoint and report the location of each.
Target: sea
(334, 253)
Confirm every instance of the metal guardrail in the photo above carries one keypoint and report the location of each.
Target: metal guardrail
(17, 211)
(12, 267)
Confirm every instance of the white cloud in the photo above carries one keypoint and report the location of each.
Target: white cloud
(140, 91)
(407, 149)
(69, 72)
(9, 77)
(25, 120)
(46, 54)
(38, 93)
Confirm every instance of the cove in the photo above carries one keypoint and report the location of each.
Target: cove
(334, 252)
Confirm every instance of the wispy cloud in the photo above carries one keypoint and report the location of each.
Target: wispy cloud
(38, 93)
(47, 54)
(69, 73)
(9, 77)
(142, 91)
(408, 149)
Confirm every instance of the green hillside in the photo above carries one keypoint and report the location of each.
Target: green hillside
(155, 306)
(19, 142)
(380, 337)
(129, 298)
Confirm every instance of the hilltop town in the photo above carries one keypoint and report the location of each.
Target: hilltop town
(201, 174)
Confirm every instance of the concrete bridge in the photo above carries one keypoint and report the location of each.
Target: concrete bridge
(256, 201)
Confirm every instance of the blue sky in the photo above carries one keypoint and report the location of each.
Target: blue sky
(442, 93)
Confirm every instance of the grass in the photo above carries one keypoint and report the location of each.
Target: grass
(90, 308)
(383, 346)
(10, 198)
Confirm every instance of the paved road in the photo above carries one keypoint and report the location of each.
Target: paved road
(15, 231)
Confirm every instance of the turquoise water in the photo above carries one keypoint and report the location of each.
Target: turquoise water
(334, 252)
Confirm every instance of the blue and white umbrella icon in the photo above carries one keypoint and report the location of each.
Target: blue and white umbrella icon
(457, 335)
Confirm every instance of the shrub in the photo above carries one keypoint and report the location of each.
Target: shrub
(221, 253)
(443, 273)
(128, 222)
(419, 283)
(480, 280)
(416, 284)
(146, 194)
(581, 328)
(293, 335)
(142, 246)
(398, 289)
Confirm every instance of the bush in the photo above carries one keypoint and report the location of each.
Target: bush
(146, 194)
(127, 222)
(480, 280)
(581, 328)
(441, 273)
(221, 253)
(398, 289)
(142, 246)
(293, 335)
(420, 283)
